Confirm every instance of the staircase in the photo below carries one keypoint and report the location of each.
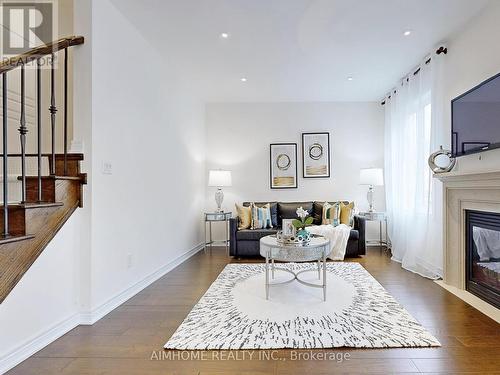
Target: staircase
(47, 200)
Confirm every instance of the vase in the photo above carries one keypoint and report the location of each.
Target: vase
(304, 235)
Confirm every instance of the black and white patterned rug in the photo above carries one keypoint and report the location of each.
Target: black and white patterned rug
(358, 313)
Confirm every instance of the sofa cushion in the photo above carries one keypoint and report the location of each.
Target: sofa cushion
(331, 214)
(244, 216)
(318, 210)
(287, 210)
(273, 206)
(347, 214)
(354, 235)
(254, 234)
(261, 217)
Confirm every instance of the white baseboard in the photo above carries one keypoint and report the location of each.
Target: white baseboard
(23, 352)
(41, 341)
(90, 318)
(472, 300)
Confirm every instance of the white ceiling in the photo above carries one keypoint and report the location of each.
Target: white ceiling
(296, 50)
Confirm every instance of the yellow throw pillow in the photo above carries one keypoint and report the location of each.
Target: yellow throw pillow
(346, 213)
(244, 217)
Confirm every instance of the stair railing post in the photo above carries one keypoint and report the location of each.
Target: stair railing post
(39, 126)
(22, 133)
(5, 158)
(66, 111)
(53, 111)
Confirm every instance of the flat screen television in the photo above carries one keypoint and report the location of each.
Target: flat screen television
(475, 118)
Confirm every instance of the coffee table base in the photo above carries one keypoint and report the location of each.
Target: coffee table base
(271, 267)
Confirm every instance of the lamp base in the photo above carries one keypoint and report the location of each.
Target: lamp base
(369, 197)
(219, 198)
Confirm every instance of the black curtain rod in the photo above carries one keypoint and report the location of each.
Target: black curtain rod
(439, 51)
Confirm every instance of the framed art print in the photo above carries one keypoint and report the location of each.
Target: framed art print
(287, 227)
(283, 168)
(315, 155)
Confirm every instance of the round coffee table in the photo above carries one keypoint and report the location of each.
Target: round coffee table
(316, 250)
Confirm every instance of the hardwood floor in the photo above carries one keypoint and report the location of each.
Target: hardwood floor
(129, 340)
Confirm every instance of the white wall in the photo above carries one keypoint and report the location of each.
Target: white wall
(82, 121)
(238, 138)
(473, 57)
(146, 123)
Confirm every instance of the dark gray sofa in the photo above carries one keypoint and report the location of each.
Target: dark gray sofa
(245, 243)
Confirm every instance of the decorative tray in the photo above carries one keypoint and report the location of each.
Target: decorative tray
(293, 240)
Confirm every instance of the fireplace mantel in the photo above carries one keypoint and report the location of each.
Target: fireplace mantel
(478, 190)
(458, 176)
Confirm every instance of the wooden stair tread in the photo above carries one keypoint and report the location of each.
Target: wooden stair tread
(53, 177)
(28, 205)
(76, 156)
(10, 239)
(41, 204)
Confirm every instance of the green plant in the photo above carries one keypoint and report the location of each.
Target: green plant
(299, 224)
(304, 219)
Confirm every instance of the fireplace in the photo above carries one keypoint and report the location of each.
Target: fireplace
(482, 260)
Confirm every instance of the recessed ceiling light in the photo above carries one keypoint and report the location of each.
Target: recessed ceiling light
(407, 32)
(243, 79)
(224, 35)
(350, 78)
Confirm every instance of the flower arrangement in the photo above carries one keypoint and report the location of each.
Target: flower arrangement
(304, 219)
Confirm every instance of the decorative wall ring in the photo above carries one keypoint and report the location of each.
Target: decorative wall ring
(441, 169)
(315, 151)
(283, 162)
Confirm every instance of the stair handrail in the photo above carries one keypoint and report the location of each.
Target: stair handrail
(38, 52)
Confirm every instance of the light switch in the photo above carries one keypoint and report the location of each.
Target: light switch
(107, 167)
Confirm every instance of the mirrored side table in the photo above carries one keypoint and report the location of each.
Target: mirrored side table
(381, 217)
(211, 217)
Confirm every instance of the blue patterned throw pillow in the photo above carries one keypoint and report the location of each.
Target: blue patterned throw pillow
(261, 217)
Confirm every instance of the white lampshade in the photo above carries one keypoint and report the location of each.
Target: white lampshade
(371, 176)
(219, 178)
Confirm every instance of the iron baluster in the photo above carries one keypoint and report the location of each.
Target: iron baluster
(65, 111)
(23, 130)
(5, 158)
(53, 111)
(39, 126)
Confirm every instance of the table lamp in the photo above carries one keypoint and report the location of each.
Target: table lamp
(371, 177)
(219, 179)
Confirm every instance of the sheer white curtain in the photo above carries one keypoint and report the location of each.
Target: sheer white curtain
(413, 130)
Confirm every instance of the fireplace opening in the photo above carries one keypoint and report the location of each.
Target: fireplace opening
(483, 255)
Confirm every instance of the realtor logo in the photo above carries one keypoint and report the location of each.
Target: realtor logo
(26, 25)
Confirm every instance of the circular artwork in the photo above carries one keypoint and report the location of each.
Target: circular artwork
(283, 162)
(315, 151)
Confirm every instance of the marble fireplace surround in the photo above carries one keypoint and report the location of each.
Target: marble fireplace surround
(465, 191)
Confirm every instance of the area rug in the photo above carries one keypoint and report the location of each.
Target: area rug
(358, 313)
